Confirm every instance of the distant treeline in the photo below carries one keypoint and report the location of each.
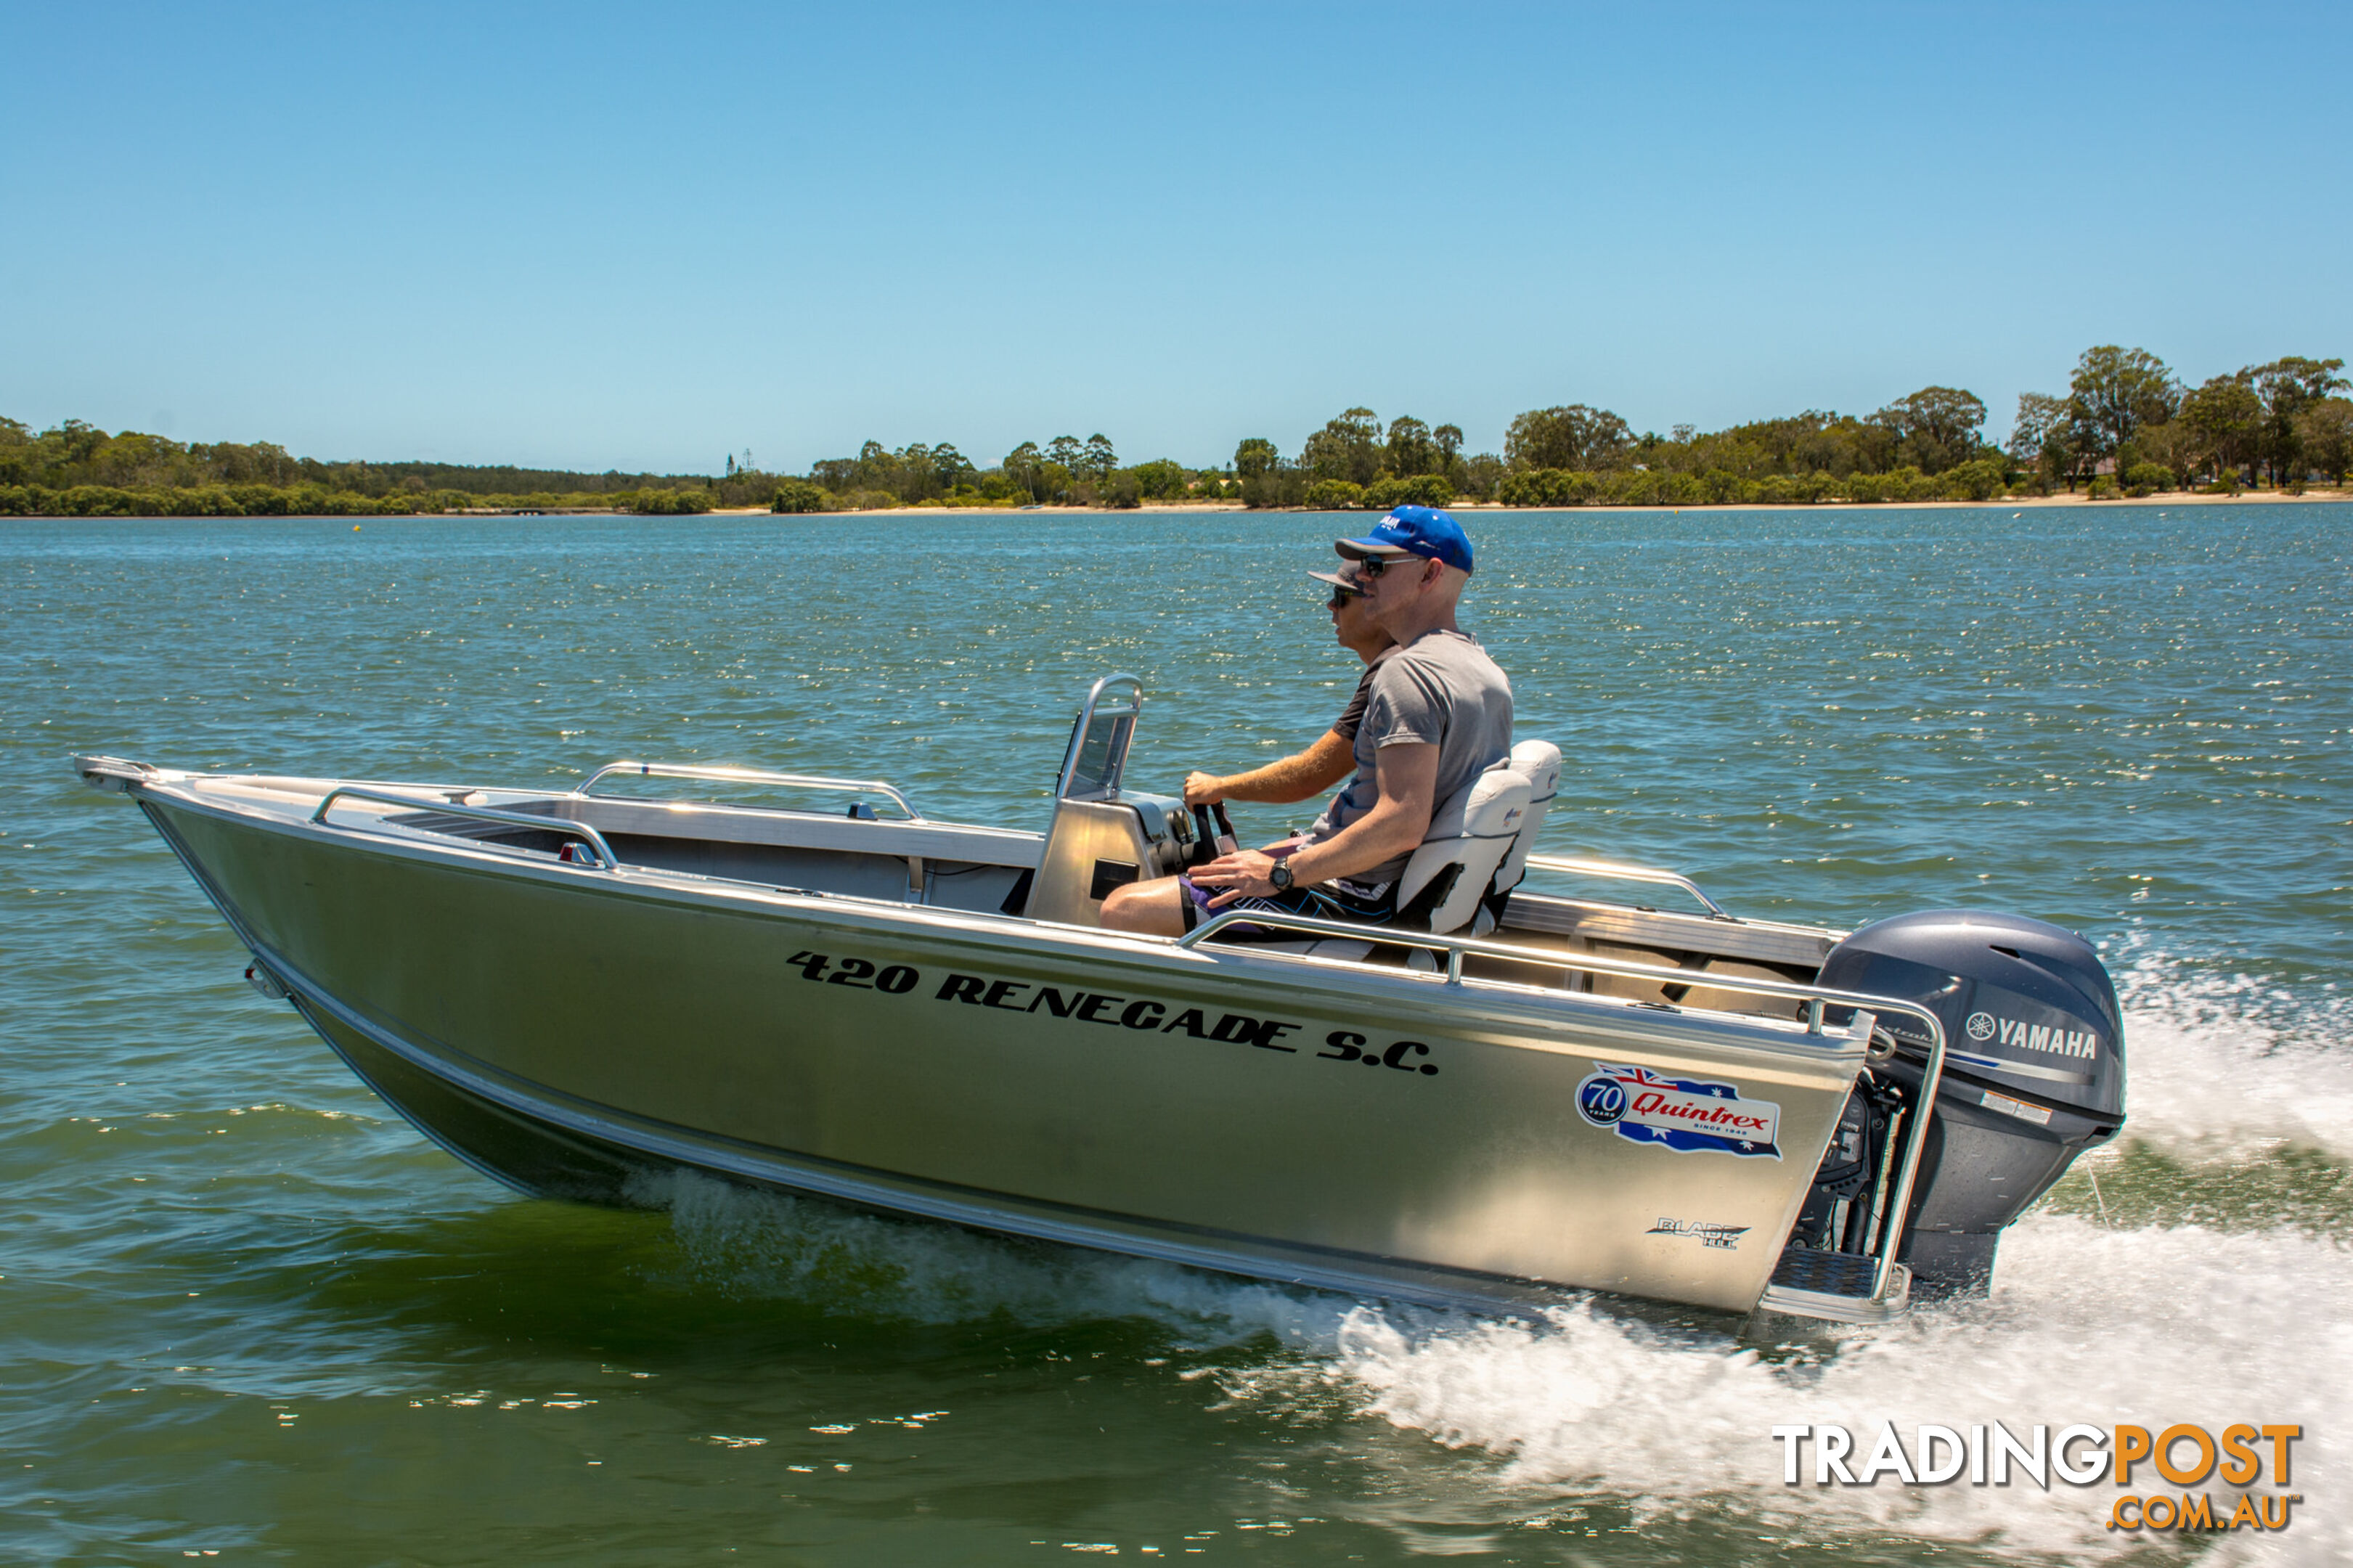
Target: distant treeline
(77, 469)
(2125, 425)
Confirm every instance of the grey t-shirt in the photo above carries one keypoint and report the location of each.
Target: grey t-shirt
(1443, 692)
(1352, 715)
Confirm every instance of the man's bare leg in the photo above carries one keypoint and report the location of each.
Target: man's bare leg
(1155, 907)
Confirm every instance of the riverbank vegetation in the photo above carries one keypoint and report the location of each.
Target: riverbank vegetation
(76, 469)
(2125, 425)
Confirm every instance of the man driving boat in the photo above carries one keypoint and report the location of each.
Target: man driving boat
(1438, 714)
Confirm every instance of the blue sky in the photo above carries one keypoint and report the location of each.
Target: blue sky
(590, 236)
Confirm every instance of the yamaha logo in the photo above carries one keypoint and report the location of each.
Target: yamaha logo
(2051, 1038)
(1601, 1101)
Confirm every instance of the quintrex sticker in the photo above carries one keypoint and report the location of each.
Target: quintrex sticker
(1688, 1115)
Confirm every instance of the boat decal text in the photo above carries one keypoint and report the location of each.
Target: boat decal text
(1726, 1236)
(1115, 1011)
(897, 978)
(1688, 1115)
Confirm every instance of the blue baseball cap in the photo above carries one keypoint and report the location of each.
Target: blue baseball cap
(1413, 531)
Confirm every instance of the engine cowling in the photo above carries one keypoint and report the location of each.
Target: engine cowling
(2033, 1075)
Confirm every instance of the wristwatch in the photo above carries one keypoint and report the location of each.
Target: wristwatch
(1279, 876)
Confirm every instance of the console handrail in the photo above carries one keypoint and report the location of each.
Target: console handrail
(608, 861)
(1134, 710)
(1616, 870)
(747, 775)
(1816, 998)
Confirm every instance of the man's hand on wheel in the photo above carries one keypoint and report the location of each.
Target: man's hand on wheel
(1203, 789)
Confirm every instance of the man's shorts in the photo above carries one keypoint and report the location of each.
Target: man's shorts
(1357, 902)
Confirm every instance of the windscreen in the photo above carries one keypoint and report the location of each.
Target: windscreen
(1101, 753)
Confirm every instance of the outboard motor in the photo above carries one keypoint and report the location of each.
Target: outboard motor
(2034, 1075)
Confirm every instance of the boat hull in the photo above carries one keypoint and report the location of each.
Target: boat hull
(1383, 1132)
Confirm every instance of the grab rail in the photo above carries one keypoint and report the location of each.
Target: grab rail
(1619, 872)
(608, 861)
(747, 775)
(1816, 998)
(1117, 765)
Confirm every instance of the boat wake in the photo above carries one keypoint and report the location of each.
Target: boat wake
(2089, 1325)
(2226, 1066)
(2181, 1313)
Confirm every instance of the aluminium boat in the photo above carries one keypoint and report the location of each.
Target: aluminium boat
(1506, 1095)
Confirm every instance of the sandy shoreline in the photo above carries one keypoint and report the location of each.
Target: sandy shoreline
(2014, 504)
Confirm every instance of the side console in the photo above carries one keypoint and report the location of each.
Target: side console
(1095, 846)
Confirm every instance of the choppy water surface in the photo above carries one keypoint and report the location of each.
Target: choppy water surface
(249, 1312)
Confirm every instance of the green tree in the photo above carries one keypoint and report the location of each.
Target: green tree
(2325, 428)
(2227, 418)
(1099, 459)
(1733, 452)
(1254, 456)
(878, 470)
(951, 469)
(1021, 467)
(2043, 436)
(1418, 489)
(800, 496)
(1067, 451)
(1335, 495)
(1411, 450)
(1979, 478)
(1814, 442)
(2114, 392)
(67, 449)
(2173, 446)
(2287, 388)
(1935, 428)
(918, 477)
(1480, 476)
(1574, 437)
(1160, 479)
(2038, 414)
(1347, 447)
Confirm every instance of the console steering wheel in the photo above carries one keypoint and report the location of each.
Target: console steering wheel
(1206, 845)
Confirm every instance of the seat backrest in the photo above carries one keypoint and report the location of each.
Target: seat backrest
(1538, 762)
(1470, 833)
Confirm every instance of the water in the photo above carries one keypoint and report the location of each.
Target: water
(250, 1313)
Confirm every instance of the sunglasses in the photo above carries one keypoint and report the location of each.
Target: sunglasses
(1340, 596)
(1374, 565)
